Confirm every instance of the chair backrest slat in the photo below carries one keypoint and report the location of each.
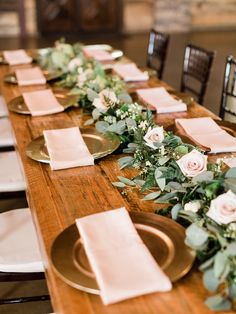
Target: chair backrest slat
(157, 51)
(196, 69)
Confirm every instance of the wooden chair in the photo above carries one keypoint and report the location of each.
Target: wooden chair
(196, 71)
(157, 51)
(228, 98)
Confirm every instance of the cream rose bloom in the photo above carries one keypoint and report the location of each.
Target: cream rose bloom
(193, 206)
(223, 208)
(154, 136)
(74, 63)
(193, 163)
(105, 98)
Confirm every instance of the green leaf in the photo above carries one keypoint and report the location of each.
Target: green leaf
(231, 249)
(204, 176)
(151, 196)
(175, 211)
(102, 126)
(126, 181)
(181, 149)
(125, 161)
(232, 291)
(218, 303)
(157, 174)
(89, 122)
(207, 264)
(161, 182)
(163, 160)
(219, 264)
(91, 94)
(231, 173)
(210, 281)
(119, 184)
(196, 236)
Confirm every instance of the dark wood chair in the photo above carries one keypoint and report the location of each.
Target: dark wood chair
(228, 97)
(196, 71)
(157, 51)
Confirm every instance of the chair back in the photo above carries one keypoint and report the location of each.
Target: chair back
(228, 98)
(196, 71)
(157, 51)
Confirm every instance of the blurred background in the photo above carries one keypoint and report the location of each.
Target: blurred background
(125, 24)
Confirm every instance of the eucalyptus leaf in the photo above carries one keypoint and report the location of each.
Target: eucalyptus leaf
(139, 182)
(158, 174)
(102, 126)
(210, 281)
(126, 181)
(218, 303)
(89, 122)
(161, 182)
(231, 249)
(125, 98)
(208, 263)
(91, 94)
(232, 291)
(125, 161)
(119, 184)
(163, 160)
(151, 196)
(196, 236)
(175, 211)
(219, 263)
(231, 173)
(204, 176)
(181, 149)
(96, 114)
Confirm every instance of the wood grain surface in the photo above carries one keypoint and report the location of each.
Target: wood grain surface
(56, 198)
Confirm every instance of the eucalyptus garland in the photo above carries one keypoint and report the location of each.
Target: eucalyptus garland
(195, 192)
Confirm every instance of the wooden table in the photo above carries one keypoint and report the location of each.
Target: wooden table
(56, 198)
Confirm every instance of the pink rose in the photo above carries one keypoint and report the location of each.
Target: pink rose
(155, 135)
(223, 208)
(193, 163)
(106, 97)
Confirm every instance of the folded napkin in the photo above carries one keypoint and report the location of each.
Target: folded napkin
(42, 102)
(208, 133)
(130, 72)
(67, 148)
(19, 251)
(3, 107)
(161, 100)
(6, 134)
(15, 57)
(123, 266)
(32, 76)
(98, 54)
(231, 161)
(12, 178)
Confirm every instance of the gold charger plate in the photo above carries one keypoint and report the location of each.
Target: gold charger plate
(99, 145)
(49, 75)
(229, 127)
(18, 105)
(163, 237)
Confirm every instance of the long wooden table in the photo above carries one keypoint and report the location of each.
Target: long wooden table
(56, 198)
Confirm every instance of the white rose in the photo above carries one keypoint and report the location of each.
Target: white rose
(223, 208)
(106, 97)
(74, 63)
(193, 206)
(154, 136)
(193, 163)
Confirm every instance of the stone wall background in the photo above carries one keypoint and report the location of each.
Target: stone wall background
(141, 15)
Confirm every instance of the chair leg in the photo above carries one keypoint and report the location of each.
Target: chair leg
(25, 299)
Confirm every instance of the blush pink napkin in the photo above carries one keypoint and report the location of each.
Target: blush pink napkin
(42, 102)
(15, 57)
(31, 76)
(67, 148)
(161, 100)
(123, 266)
(130, 72)
(98, 54)
(208, 133)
